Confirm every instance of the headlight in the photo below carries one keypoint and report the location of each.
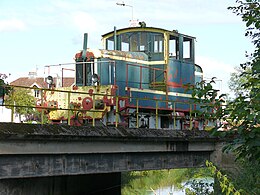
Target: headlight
(95, 78)
(49, 80)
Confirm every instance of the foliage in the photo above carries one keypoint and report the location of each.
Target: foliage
(237, 80)
(199, 187)
(226, 185)
(241, 114)
(248, 177)
(23, 101)
(209, 101)
(2, 78)
(2, 84)
(246, 107)
(142, 182)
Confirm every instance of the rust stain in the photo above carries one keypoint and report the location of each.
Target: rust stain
(175, 74)
(174, 84)
(169, 77)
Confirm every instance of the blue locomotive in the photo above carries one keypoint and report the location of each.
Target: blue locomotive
(137, 80)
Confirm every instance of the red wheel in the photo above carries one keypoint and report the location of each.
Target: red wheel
(39, 105)
(87, 103)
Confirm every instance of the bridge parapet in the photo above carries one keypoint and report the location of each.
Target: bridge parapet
(32, 131)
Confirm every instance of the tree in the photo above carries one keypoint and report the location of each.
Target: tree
(237, 80)
(245, 108)
(2, 84)
(243, 112)
(23, 101)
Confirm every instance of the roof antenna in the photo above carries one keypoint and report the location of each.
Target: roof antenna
(133, 23)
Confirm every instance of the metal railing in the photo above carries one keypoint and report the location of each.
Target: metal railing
(135, 102)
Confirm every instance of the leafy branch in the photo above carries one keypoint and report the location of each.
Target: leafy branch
(226, 185)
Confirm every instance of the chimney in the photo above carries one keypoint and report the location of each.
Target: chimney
(32, 75)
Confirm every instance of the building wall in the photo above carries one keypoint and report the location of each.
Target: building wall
(5, 115)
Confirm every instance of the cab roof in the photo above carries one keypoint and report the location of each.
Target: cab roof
(145, 29)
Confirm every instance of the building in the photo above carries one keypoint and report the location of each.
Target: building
(37, 83)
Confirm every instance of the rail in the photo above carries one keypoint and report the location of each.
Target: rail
(11, 90)
(158, 76)
(154, 79)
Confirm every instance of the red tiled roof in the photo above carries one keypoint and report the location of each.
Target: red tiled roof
(39, 81)
(68, 81)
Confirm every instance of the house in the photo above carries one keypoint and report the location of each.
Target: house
(39, 82)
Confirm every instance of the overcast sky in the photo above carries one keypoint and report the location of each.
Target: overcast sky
(35, 33)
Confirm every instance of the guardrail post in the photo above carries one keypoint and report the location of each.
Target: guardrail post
(42, 111)
(93, 113)
(69, 109)
(174, 115)
(190, 117)
(137, 113)
(117, 111)
(12, 107)
(156, 115)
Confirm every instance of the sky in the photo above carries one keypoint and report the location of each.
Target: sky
(36, 33)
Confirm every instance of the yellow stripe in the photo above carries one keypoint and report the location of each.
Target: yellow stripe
(133, 60)
(160, 92)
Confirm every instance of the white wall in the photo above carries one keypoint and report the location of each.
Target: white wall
(5, 114)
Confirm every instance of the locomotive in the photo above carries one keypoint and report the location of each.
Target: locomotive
(137, 80)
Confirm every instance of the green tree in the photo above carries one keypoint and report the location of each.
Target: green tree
(237, 80)
(22, 100)
(248, 178)
(2, 84)
(245, 108)
(242, 113)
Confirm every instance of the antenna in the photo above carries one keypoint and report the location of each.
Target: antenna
(123, 4)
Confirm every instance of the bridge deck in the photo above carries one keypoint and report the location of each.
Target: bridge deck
(31, 150)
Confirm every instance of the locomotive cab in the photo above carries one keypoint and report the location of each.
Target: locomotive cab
(163, 52)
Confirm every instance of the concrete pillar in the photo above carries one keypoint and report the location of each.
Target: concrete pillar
(96, 184)
(223, 160)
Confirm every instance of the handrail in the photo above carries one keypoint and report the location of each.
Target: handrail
(153, 69)
(94, 95)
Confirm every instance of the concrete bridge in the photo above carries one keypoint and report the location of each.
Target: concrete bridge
(60, 159)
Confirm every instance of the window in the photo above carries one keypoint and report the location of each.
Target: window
(137, 42)
(158, 43)
(110, 43)
(125, 42)
(174, 47)
(143, 42)
(36, 92)
(187, 48)
(133, 42)
(125, 46)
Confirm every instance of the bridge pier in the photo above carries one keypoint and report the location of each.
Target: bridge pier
(94, 184)
(223, 160)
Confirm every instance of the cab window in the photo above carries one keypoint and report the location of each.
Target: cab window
(137, 42)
